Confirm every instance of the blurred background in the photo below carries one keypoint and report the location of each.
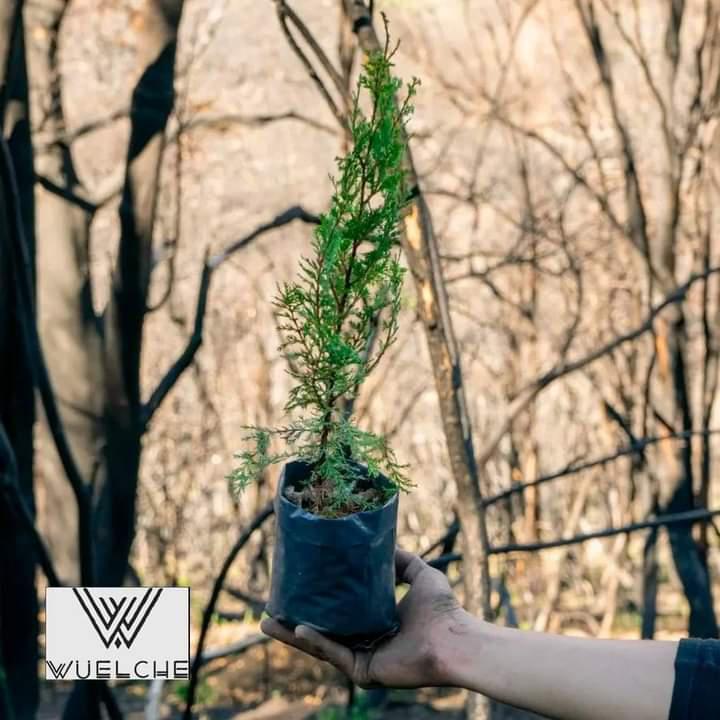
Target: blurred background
(553, 386)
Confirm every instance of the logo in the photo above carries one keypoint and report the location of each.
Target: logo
(111, 617)
(117, 633)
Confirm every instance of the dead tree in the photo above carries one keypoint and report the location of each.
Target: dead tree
(18, 596)
(124, 411)
(70, 331)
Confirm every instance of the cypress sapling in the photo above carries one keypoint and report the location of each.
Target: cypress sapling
(340, 316)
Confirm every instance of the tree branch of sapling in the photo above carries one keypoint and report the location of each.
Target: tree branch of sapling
(331, 398)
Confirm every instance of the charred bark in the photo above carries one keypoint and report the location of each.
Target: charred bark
(152, 103)
(18, 597)
(69, 329)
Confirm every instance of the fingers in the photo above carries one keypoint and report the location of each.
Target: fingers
(408, 566)
(338, 655)
(276, 630)
(311, 642)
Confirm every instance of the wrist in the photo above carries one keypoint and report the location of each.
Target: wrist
(458, 647)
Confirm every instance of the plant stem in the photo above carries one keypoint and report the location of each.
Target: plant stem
(332, 398)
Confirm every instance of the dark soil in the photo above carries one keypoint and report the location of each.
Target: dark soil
(318, 498)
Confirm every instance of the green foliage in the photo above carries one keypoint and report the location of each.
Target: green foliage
(355, 713)
(204, 694)
(341, 314)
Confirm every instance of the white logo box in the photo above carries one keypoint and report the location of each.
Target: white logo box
(104, 633)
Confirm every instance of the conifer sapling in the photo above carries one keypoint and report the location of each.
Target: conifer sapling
(340, 316)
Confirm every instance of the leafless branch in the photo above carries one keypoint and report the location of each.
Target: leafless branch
(185, 359)
(635, 207)
(683, 518)
(227, 119)
(72, 197)
(636, 448)
(676, 296)
(198, 660)
(285, 13)
(533, 389)
(15, 500)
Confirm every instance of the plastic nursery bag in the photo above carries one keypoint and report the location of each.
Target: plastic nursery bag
(334, 575)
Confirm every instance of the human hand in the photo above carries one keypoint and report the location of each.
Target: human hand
(429, 615)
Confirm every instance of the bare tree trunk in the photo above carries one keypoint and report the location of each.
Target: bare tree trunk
(100, 383)
(675, 474)
(152, 104)
(650, 572)
(674, 405)
(18, 597)
(69, 329)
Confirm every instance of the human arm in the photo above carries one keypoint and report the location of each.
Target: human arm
(562, 677)
(440, 644)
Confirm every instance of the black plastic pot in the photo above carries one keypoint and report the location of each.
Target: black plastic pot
(334, 575)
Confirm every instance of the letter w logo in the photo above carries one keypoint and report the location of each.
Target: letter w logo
(117, 621)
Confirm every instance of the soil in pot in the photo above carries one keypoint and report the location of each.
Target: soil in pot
(318, 498)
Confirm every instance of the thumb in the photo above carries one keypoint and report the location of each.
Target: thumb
(336, 654)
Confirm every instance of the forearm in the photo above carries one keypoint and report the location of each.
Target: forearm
(561, 677)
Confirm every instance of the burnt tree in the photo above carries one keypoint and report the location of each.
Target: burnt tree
(18, 597)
